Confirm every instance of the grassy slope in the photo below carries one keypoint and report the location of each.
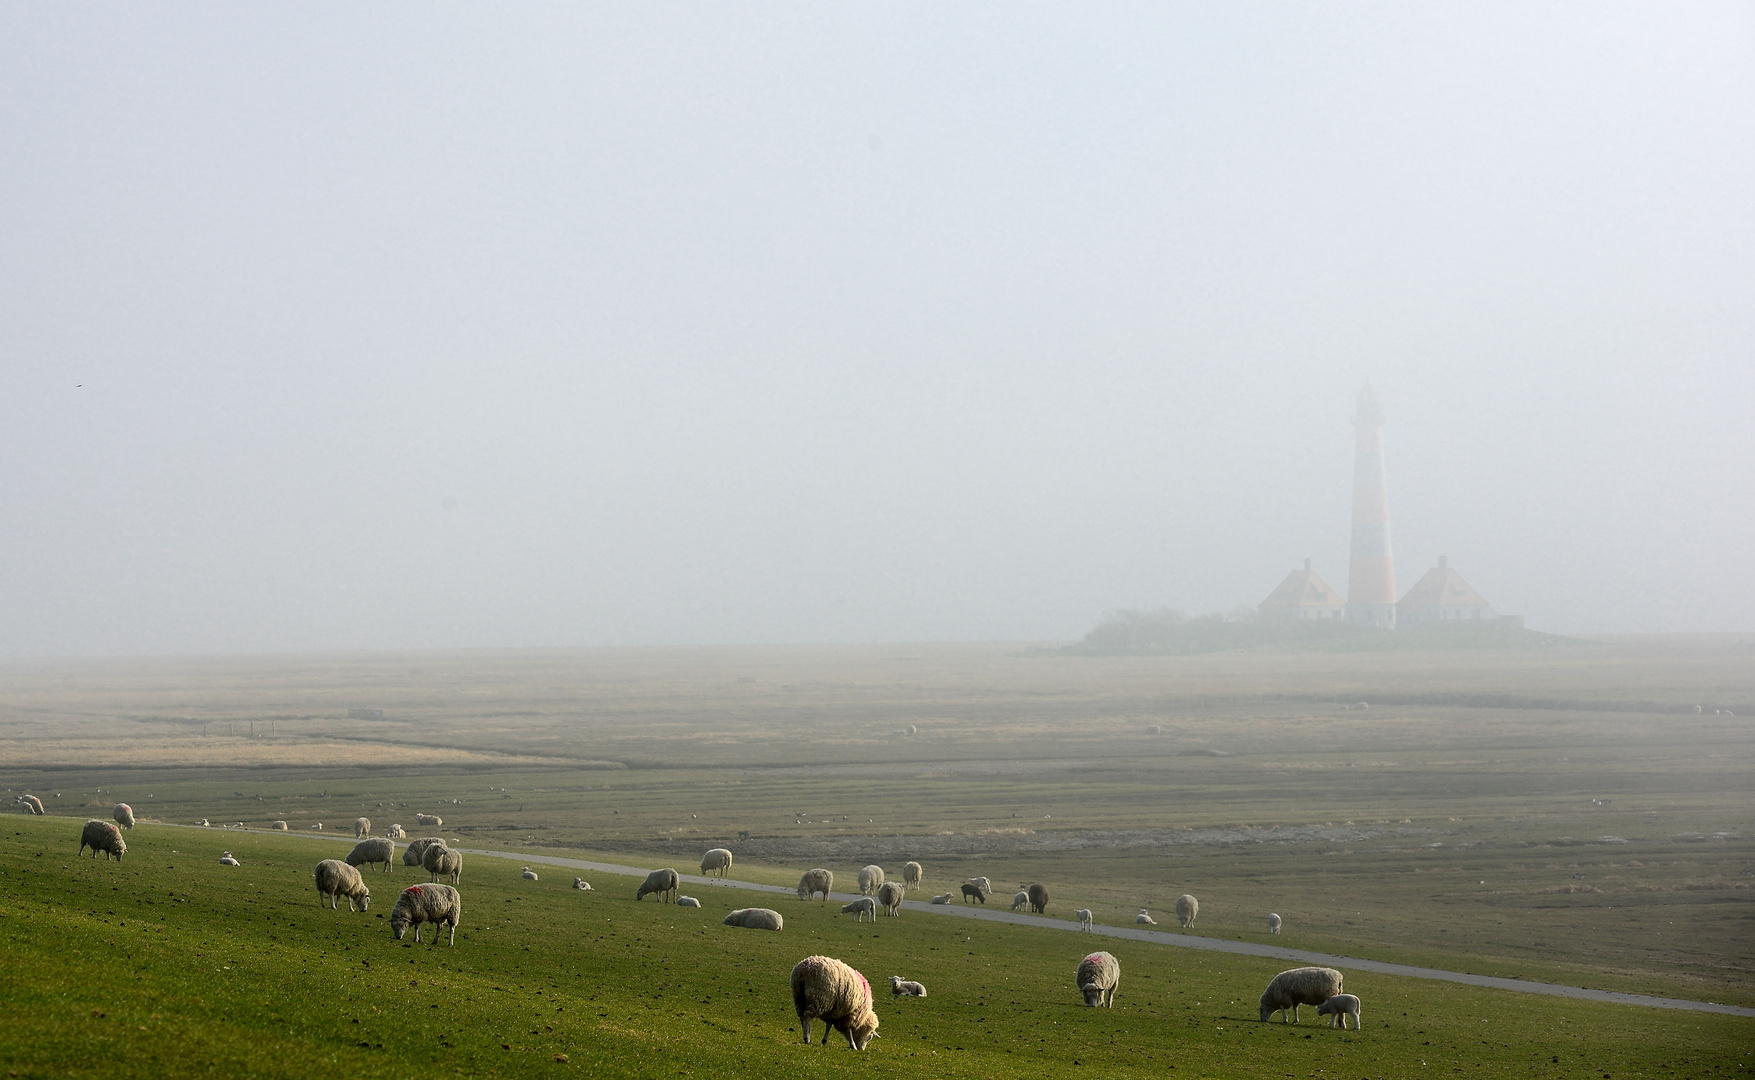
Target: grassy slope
(169, 962)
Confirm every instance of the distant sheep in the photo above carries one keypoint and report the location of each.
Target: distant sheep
(226, 858)
(415, 854)
(1097, 977)
(1338, 1008)
(1085, 917)
(900, 987)
(362, 828)
(912, 875)
(663, 882)
(397, 832)
(687, 901)
(1155, 729)
(100, 835)
(124, 815)
(986, 886)
(815, 881)
(863, 909)
(277, 826)
(437, 904)
(581, 884)
(372, 852)
(1299, 986)
(870, 877)
(441, 861)
(755, 918)
(972, 889)
(429, 819)
(890, 895)
(944, 898)
(528, 874)
(203, 823)
(317, 827)
(716, 861)
(336, 879)
(825, 989)
(1038, 897)
(1020, 900)
(1144, 918)
(31, 804)
(1187, 907)
(1273, 924)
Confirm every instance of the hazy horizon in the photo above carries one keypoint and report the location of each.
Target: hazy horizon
(337, 328)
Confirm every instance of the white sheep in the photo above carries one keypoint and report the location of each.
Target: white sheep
(815, 881)
(1097, 978)
(397, 832)
(687, 901)
(415, 853)
(317, 827)
(362, 828)
(226, 858)
(944, 898)
(890, 895)
(581, 884)
(663, 882)
(277, 826)
(441, 861)
(31, 804)
(370, 852)
(335, 879)
(1020, 900)
(124, 815)
(863, 909)
(528, 874)
(718, 861)
(100, 835)
(1273, 923)
(912, 875)
(755, 918)
(1144, 918)
(1338, 1008)
(825, 989)
(1299, 986)
(1187, 907)
(900, 987)
(437, 904)
(870, 877)
(204, 823)
(1085, 917)
(985, 885)
(429, 819)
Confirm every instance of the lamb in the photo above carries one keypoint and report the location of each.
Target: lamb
(31, 804)
(687, 901)
(900, 987)
(336, 879)
(1097, 977)
(663, 882)
(440, 861)
(986, 886)
(100, 835)
(1299, 986)
(863, 909)
(203, 823)
(429, 819)
(277, 826)
(1273, 923)
(870, 877)
(1187, 907)
(397, 832)
(437, 904)
(372, 852)
(415, 853)
(824, 988)
(362, 828)
(581, 884)
(718, 859)
(972, 889)
(911, 875)
(227, 859)
(815, 881)
(317, 827)
(756, 918)
(1084, 916)
(124, 815)
(943, 898)
(1038, 898)
(1020, 899)
(890, 895)
(1144, 918)
(528, 874)
(1338, 1008)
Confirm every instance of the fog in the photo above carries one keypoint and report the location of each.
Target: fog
(383, 326)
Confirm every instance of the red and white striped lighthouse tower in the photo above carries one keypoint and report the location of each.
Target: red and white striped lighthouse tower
(1371, 574)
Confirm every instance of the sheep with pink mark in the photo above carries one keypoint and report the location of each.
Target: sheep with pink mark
(826, 989)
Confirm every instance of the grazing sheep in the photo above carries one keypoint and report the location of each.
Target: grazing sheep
(277, 826)
(226, 858)
(362, 828)
(429, 819)
(1338, 1008)
(756, 918)
(1098, 976)
(372, 852)
(825, 989)
(1299, 986)
(581, 884)
(440, 861)
(100, 835)
(890, 895)
(415, 853)
(437, 904)
(1020, 899)
(900, 987)
(718, 860)
(944, 898)
(1187, 907)
(336, 879)
(912, 875)
(317, 827)
(972, 889)
(1084, 916)
(1273, 924)
(815, 881)
(397, 832)
(687, 901)
(31, 804)
(528, 874)
(203, 823)
(863, 909)
(1144, 918)
(870, 877)
(663, 882)
(124, 815)
(1038, 898)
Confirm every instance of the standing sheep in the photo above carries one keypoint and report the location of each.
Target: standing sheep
(528, 874)
(663, 882)
(100, 835)
(415, 853)
(124, 815)
(1144, 918)
(1187, 907)
(944, 898)
(1085, 917)
(870, 877)
(31, 804)
(825, 989)
(277, 826)
(755, 918)
(1338, 1008)
(912, 875)
(397, 832)
(900, 987)
(986, 886)
(372, 852)
(437, 904)
(336, 879)
(1038, 898)
(717, 861)
(440, 861)
(815, 881)
(1298, 986)
(1097, 977)
(1273, 924)
(972, 889)
(429, 819)
(890, 895)
(863, 909)
(362, 828)
(1020, 900)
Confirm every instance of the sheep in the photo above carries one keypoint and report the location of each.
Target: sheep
(1038, 898)
(100, 835)
(1020, 900)
(1144, 918)
(362, 828)
(581, 884)
(986, 886)
(863, 909)
(372, 852)
(1338, 1008)
(1097, 977)
(1273, 923)
(31, 804)
(1084, 916)
(755, 918)
(528, 874)
(824, 988)
(663, 882)
(717, 860)
(1187, 907)
(687, 901)
(912, 875)
(900, 987)
(815, 881)
(972, 889)
(226, 858)
(437, 904)
(415, 853)
(440, 861)
(336, 879)
(203, 823)
(1298, 986)
(890, 895)
(429, 819)
(397, 832)
(124, 815)
(317, 827)
(277, 826)
(870, 877)
(944, 898)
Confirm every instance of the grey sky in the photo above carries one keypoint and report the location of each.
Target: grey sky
(336, 326)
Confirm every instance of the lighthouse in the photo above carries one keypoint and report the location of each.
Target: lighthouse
(1371, 573)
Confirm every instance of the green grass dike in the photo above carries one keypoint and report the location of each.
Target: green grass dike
(168, 964)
